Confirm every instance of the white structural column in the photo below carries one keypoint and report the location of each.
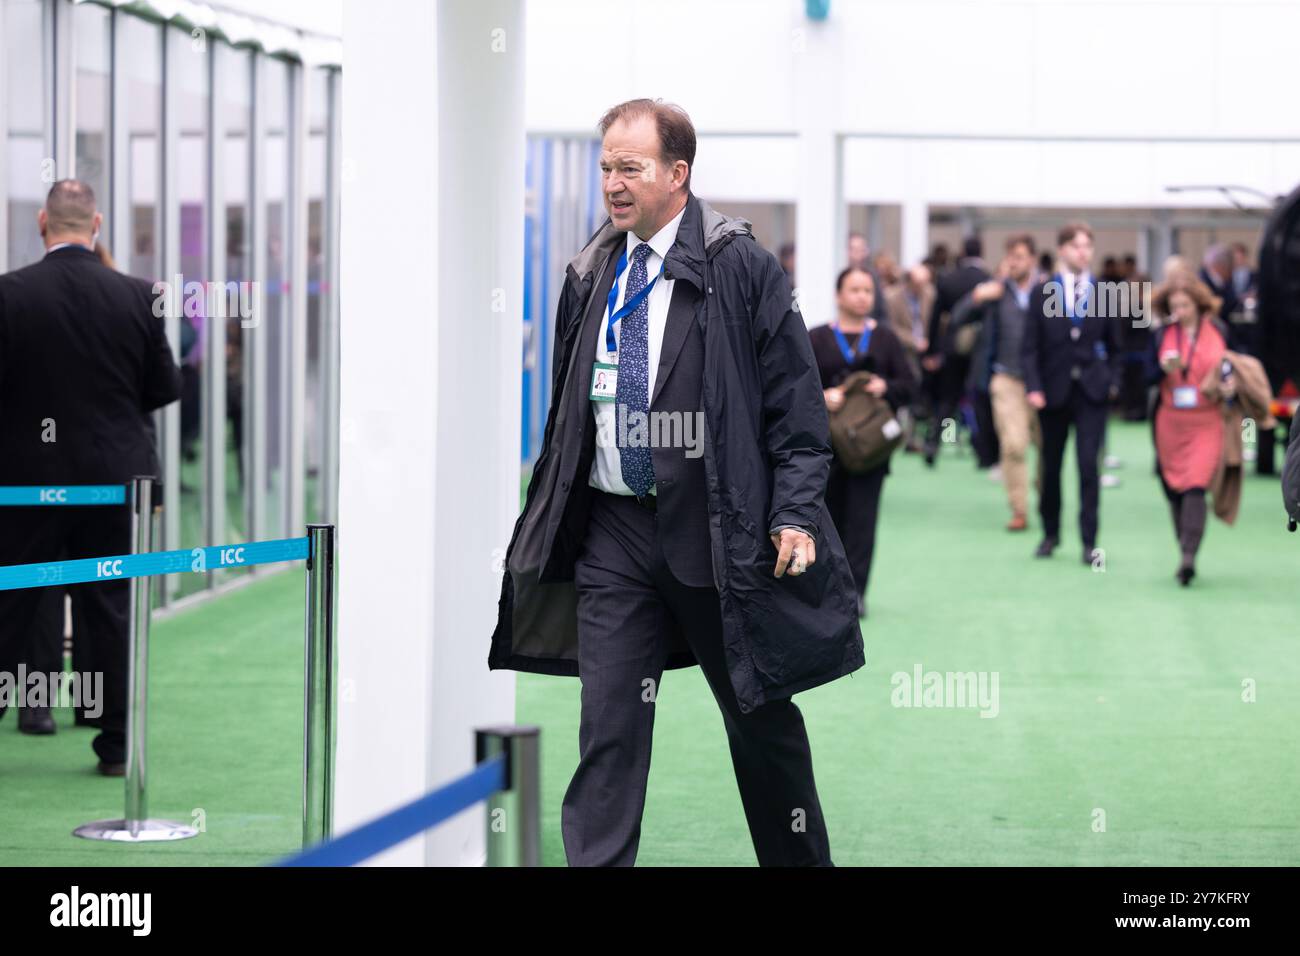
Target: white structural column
(431, 338)
(915, 229)
(820, 233)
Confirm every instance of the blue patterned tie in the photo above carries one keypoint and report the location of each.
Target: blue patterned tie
(633, 391)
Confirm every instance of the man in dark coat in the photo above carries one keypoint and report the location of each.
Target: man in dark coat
(630, 560)
(83, 361)
(947, 368)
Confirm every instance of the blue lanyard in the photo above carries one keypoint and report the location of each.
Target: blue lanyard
(850, 355)
(1080, 304)
(611, 344)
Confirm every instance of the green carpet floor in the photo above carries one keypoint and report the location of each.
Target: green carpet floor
(225, 746)
(1122, 737)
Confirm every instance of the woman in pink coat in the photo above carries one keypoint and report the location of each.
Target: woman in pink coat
(1189, 418)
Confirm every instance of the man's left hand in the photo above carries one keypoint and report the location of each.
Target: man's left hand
(794, 550)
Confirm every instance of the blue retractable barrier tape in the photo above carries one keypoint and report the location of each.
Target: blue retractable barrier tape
(198, 560)
(405, 822)
(63, 495)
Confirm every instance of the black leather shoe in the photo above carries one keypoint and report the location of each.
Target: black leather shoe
(111, 769)
(1186, 571)
(1046, 547)
(36, 721)
(1088, 553)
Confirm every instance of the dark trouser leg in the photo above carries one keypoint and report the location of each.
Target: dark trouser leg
(1192, 525)
(1265, 451)
(986, 442)
(769, 745)
(622, 643)
(28, 535)
(105, 621)
(1055, 424)
(948, 388)
(46, 654)
(1089, 436)
(854, 503)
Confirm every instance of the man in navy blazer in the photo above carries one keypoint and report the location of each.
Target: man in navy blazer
(1071, 358)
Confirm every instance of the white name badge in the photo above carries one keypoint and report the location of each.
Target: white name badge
(1185, 396)
(604, 382)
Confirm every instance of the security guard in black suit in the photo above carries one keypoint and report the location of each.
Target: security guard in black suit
(83, 361)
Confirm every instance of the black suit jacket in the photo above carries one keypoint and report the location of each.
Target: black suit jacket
(680, 490)
(948, 291)
(1050, 354)
(79, 345)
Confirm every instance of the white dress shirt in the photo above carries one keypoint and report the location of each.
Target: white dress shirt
(607, 470)
(1068, 281)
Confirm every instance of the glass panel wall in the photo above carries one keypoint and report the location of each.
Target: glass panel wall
(273, 98)
(317, 417)
(29, 173)
(141, 45)
(191, 146)
(235, 101)
(191, 201)
(92, 92)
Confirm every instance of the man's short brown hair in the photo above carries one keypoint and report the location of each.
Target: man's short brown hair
(676, 131)
(1072, 229)
(1022, 239)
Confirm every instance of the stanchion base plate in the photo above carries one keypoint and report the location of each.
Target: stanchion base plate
(135, 831)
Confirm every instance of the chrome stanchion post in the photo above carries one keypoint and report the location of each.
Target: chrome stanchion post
(514, 819)
(318, 705)
(135, 826)
(137, 806)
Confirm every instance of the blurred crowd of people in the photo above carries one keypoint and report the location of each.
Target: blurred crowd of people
(1022, 351)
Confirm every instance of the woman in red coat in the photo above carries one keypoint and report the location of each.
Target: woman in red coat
(1189, 418)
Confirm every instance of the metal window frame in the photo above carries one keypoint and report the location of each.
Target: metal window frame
(119, 215)
(256, 352)
(296, 267)
(62, 18)
(169, 243)
(215, 344)
(173, 38)
(214, 327)
(330, 354)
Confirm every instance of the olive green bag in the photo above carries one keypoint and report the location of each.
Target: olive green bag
(864, 431)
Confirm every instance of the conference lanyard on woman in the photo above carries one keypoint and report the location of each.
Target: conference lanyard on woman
(1186, 370)
(611, 343)
(1184, 394)
(851, 355)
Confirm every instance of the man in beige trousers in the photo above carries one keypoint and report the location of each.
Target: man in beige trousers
(1003, 305)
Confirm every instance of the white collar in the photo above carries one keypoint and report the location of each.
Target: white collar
(63, 245)
(661, 241)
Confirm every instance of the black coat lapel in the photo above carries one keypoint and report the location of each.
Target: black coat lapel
(681, 314)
